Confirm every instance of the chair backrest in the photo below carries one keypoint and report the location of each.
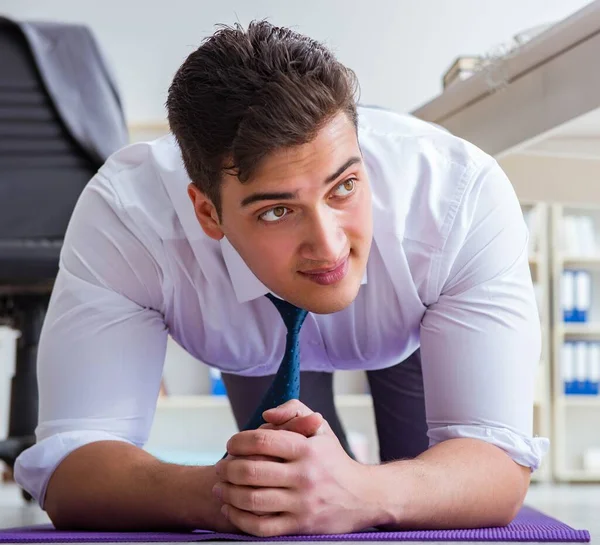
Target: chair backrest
(42, 168)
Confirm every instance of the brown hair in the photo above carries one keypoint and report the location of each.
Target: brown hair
(243, 94)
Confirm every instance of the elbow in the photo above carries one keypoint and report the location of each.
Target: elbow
(507, 515)
(59, 509)
(59, 517)
(501, 515)
(514, 497)
(59, 522)
(64, 519)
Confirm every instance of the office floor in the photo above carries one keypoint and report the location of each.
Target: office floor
(576, 505)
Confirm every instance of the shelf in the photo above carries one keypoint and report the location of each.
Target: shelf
(581, 261)
(590, 329)
(221, 402)
(580, 401)
(580, 475)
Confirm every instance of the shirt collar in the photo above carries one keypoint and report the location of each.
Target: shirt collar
(245, 284)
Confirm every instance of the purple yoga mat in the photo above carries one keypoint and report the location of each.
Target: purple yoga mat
(529, 525)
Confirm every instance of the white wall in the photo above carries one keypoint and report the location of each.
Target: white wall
(399, 48)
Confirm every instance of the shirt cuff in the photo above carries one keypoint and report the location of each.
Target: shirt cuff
(525, 451)
(35, 466)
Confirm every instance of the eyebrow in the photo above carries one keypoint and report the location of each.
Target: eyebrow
(255, 197)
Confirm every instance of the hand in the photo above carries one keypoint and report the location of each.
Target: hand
(317, 489)
(291, 416)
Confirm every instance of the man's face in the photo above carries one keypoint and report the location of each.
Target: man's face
(303, 223)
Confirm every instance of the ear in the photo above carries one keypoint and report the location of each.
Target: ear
(206, 213)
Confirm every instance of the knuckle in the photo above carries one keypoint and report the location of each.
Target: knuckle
(262, 440)
(249, 473)
(296, 444)
(309, 477)
(300, 407)
(308, 450)
(255, 500)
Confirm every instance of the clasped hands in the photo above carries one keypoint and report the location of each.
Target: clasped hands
(292, 476)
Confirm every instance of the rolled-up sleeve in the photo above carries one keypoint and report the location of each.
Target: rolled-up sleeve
(480, 338)
(103, 341)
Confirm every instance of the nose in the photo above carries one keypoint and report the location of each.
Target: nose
(325, 238)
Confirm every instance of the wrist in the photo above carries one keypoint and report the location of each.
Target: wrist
(374, 509)
(389, 489)
(200, 509)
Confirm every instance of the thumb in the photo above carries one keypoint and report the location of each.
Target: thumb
(308, 425)
(284, 413)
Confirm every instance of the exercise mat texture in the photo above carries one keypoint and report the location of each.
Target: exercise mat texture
(529, 525)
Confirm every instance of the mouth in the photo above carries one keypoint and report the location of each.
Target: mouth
(326, 276)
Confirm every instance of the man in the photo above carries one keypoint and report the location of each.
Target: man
(405, 245)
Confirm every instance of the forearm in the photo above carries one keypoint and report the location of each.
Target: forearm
(460, 483)
(109, 485)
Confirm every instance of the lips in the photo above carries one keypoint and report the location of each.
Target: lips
(327, 276)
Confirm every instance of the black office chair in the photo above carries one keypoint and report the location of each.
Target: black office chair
(42, 173)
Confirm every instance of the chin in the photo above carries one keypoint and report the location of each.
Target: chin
(327, 300)
(327, 306)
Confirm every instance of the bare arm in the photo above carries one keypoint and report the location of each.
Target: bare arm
(111, 486)
(460, 483)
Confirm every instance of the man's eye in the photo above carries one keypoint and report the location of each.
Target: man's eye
(345, 188)
(274, 214)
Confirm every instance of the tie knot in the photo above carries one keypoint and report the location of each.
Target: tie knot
(292, 316)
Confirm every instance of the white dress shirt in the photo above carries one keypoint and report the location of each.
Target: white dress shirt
(448, 271)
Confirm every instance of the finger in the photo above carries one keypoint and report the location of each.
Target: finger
(255, 458)
(256, 500)
(283, 413)
(268, 426)
(261, 526)
(305, 425)
(282, 444)
(264, 473)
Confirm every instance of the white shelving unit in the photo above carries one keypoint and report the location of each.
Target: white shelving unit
(575, 416)
(536, 215)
